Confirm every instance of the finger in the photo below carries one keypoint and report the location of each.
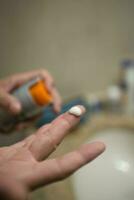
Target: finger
(49, 82)
(47, 139)
(60, 168)
(18, 79)
(54, 92)
(9, 102)
(57, 102)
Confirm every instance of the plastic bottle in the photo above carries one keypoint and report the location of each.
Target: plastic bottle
(33, 96)
(114, 95)
(130, 89)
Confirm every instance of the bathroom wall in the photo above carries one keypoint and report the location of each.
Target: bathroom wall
(81, 42)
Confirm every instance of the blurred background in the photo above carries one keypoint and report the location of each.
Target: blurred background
(82, 43)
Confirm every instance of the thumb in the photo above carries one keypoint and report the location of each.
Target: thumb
(9, 102)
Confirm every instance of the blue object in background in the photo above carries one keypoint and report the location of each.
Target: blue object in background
(49, 115)
(127, 63)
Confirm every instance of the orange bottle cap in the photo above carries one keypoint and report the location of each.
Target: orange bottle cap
(40, 93)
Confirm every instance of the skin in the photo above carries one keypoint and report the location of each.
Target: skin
(25, 166)
(12, 105)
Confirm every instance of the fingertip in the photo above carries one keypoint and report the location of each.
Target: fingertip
(82, 108)
(57, 109)
(101, 146)
(15, 107)
(98, 147)
(78, 110)
(92, 150)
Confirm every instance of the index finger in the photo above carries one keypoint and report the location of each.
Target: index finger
(47, 139)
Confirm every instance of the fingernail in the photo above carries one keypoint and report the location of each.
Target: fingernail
(77, 110)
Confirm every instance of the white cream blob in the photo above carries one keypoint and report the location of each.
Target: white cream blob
(76, 110)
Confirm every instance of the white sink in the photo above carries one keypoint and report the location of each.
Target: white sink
(111, 176)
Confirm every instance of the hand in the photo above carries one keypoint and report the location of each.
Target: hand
(23, 168)
(11, 104)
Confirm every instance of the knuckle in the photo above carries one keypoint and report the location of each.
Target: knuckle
(65, 122)
(45, 73)
(51, 140)
(59, 169)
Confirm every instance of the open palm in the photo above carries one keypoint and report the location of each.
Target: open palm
(24, 165)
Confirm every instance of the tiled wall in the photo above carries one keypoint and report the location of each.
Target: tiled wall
(81, 42)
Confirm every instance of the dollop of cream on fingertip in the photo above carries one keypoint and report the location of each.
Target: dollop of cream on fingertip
(76, 110)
